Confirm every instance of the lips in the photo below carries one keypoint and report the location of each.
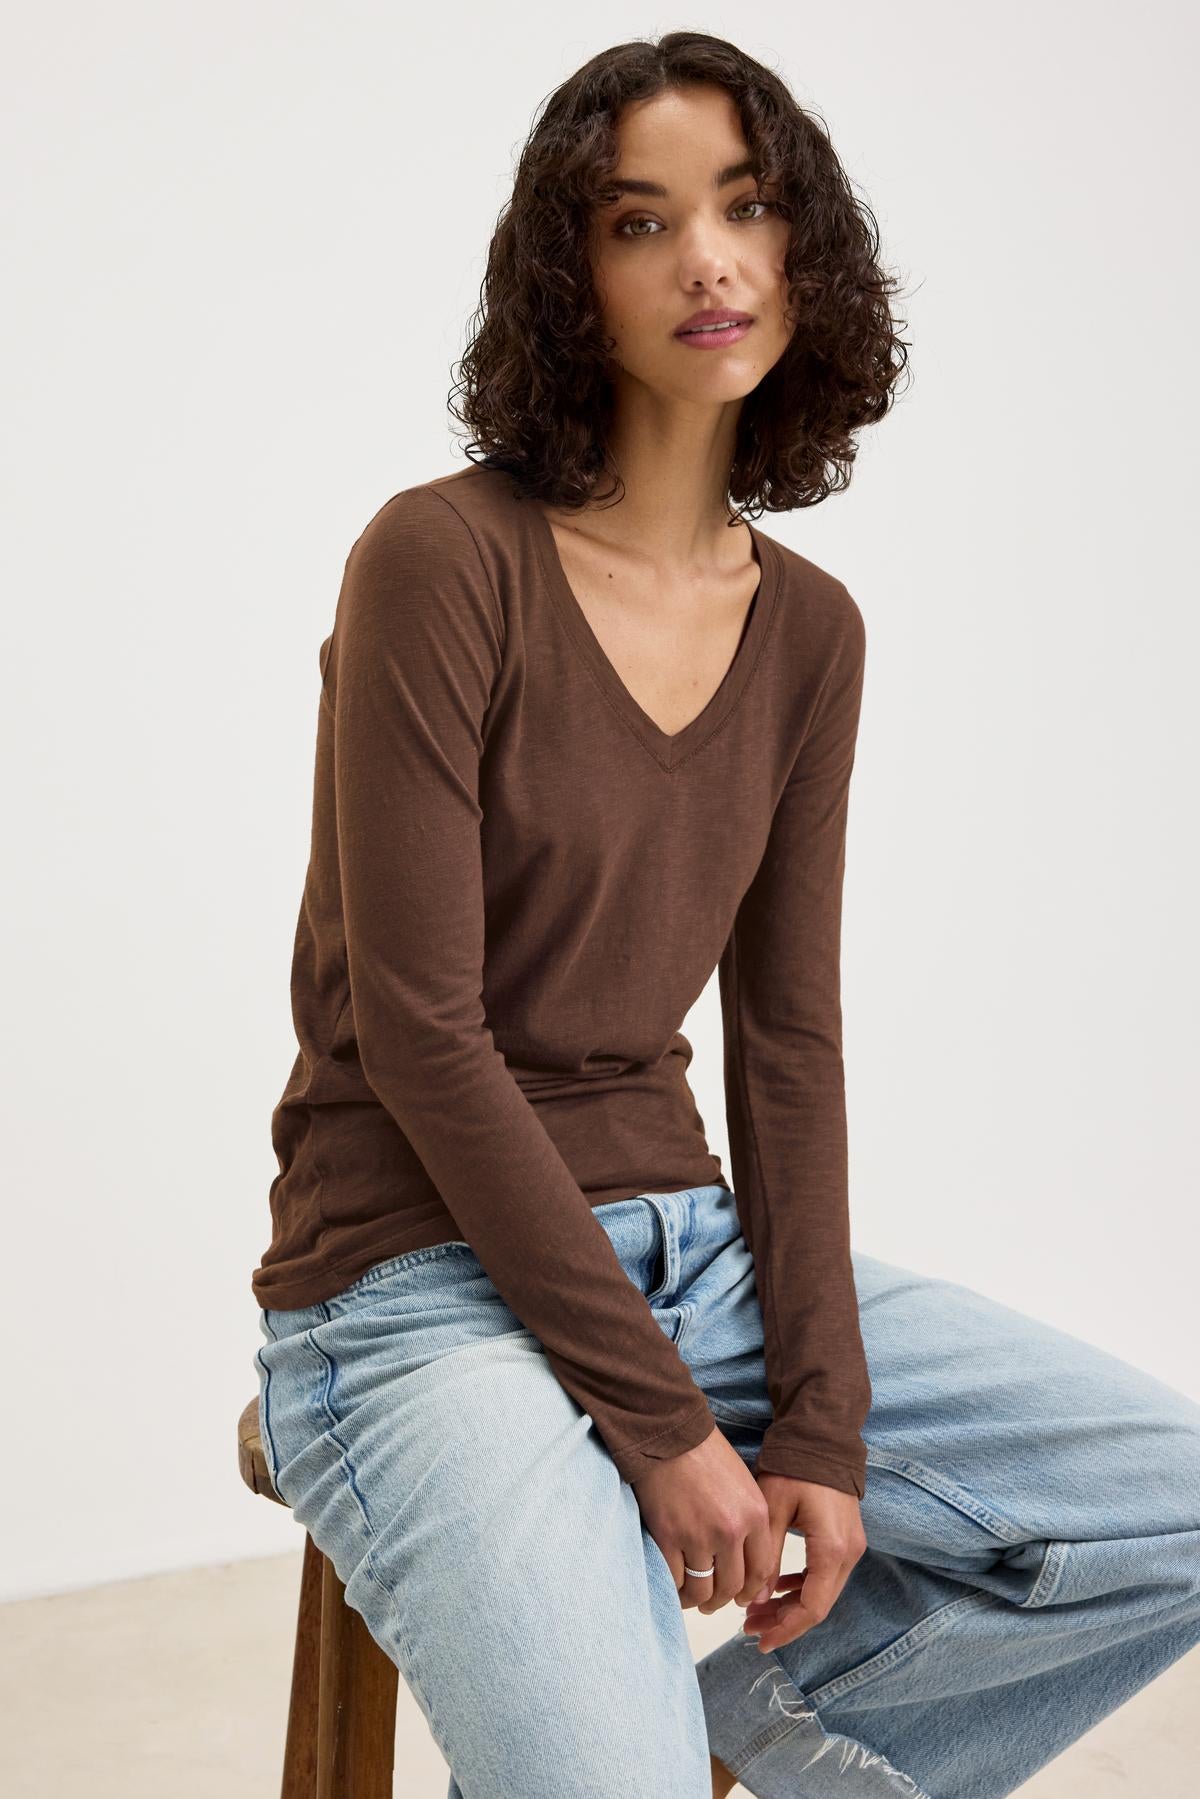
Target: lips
(715, 318)
(692, 330)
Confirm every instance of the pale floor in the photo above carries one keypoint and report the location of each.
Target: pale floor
(176, 1687)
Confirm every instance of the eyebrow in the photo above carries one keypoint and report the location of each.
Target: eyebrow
(655, 189)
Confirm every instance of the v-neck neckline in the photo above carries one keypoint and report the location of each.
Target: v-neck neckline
(669, 748)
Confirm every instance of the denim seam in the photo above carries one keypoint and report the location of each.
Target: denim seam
(264, 1420)
(413, 1258)
(951, 1492)
(372, 1535)
(917, 1636)
(766, 1739)
(1051, 1573)
(741, 1766)
(670, 1250)
(326, 1401)
(1055, 1558)
(373, 1573)
(348, 1262)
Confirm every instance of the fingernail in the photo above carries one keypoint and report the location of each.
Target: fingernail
(763, 1594)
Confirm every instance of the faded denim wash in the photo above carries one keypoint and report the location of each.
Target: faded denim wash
(1032, 1515)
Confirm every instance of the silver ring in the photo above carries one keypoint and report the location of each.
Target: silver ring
(700, 1573)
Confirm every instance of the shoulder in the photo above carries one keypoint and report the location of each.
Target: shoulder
(452, 512)
(414, 520)
(818, 606)
(431, 540)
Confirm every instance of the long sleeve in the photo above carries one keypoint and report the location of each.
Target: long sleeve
(780, 983)
(415, 652)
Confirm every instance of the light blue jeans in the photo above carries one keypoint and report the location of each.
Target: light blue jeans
(1032, 1515)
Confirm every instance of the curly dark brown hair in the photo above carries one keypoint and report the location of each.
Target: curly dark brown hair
(535, 387)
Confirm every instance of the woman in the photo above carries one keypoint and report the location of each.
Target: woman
(535, 1376)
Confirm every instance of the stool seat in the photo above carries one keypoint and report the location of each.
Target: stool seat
(341, 1726)
(252, 1461)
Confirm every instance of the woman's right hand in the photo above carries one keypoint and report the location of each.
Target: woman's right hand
(704, 1507)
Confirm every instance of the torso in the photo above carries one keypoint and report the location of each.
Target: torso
(671, 642)
(614, 852)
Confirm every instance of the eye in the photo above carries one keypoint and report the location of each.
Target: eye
(767, 205)
(641, 218)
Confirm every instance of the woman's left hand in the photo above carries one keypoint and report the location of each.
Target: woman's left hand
(831, 1524)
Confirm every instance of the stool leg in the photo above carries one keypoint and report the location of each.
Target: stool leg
(300, 1752)
(356, 1730)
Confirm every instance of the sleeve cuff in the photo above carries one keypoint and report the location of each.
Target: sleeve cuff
(797, 1462)
(686, 1433)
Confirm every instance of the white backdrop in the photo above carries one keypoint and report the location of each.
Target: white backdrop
(244, 243)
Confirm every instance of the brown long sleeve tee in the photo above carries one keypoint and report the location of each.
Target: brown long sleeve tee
(518, 886)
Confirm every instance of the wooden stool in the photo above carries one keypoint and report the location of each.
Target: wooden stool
(341, 1727)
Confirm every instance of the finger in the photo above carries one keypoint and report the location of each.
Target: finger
(784, 1582)
(762, 1600)
(730, 1575)
(762, 1554)
(807, 1603)
(699, 1573)
(824, 1575)
(764, 1612)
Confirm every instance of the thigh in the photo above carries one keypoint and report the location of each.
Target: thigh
(1033, 1552)
(1025, 1458)
(1000, 1449)
(482, 1530)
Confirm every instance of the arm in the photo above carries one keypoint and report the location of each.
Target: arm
(780, 984)
(415, 651)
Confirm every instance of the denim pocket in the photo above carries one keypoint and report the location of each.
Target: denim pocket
(407, 1272)
(401, 1273)
(397, 1267)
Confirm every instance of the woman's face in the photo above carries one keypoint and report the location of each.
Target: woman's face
(702, 239)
